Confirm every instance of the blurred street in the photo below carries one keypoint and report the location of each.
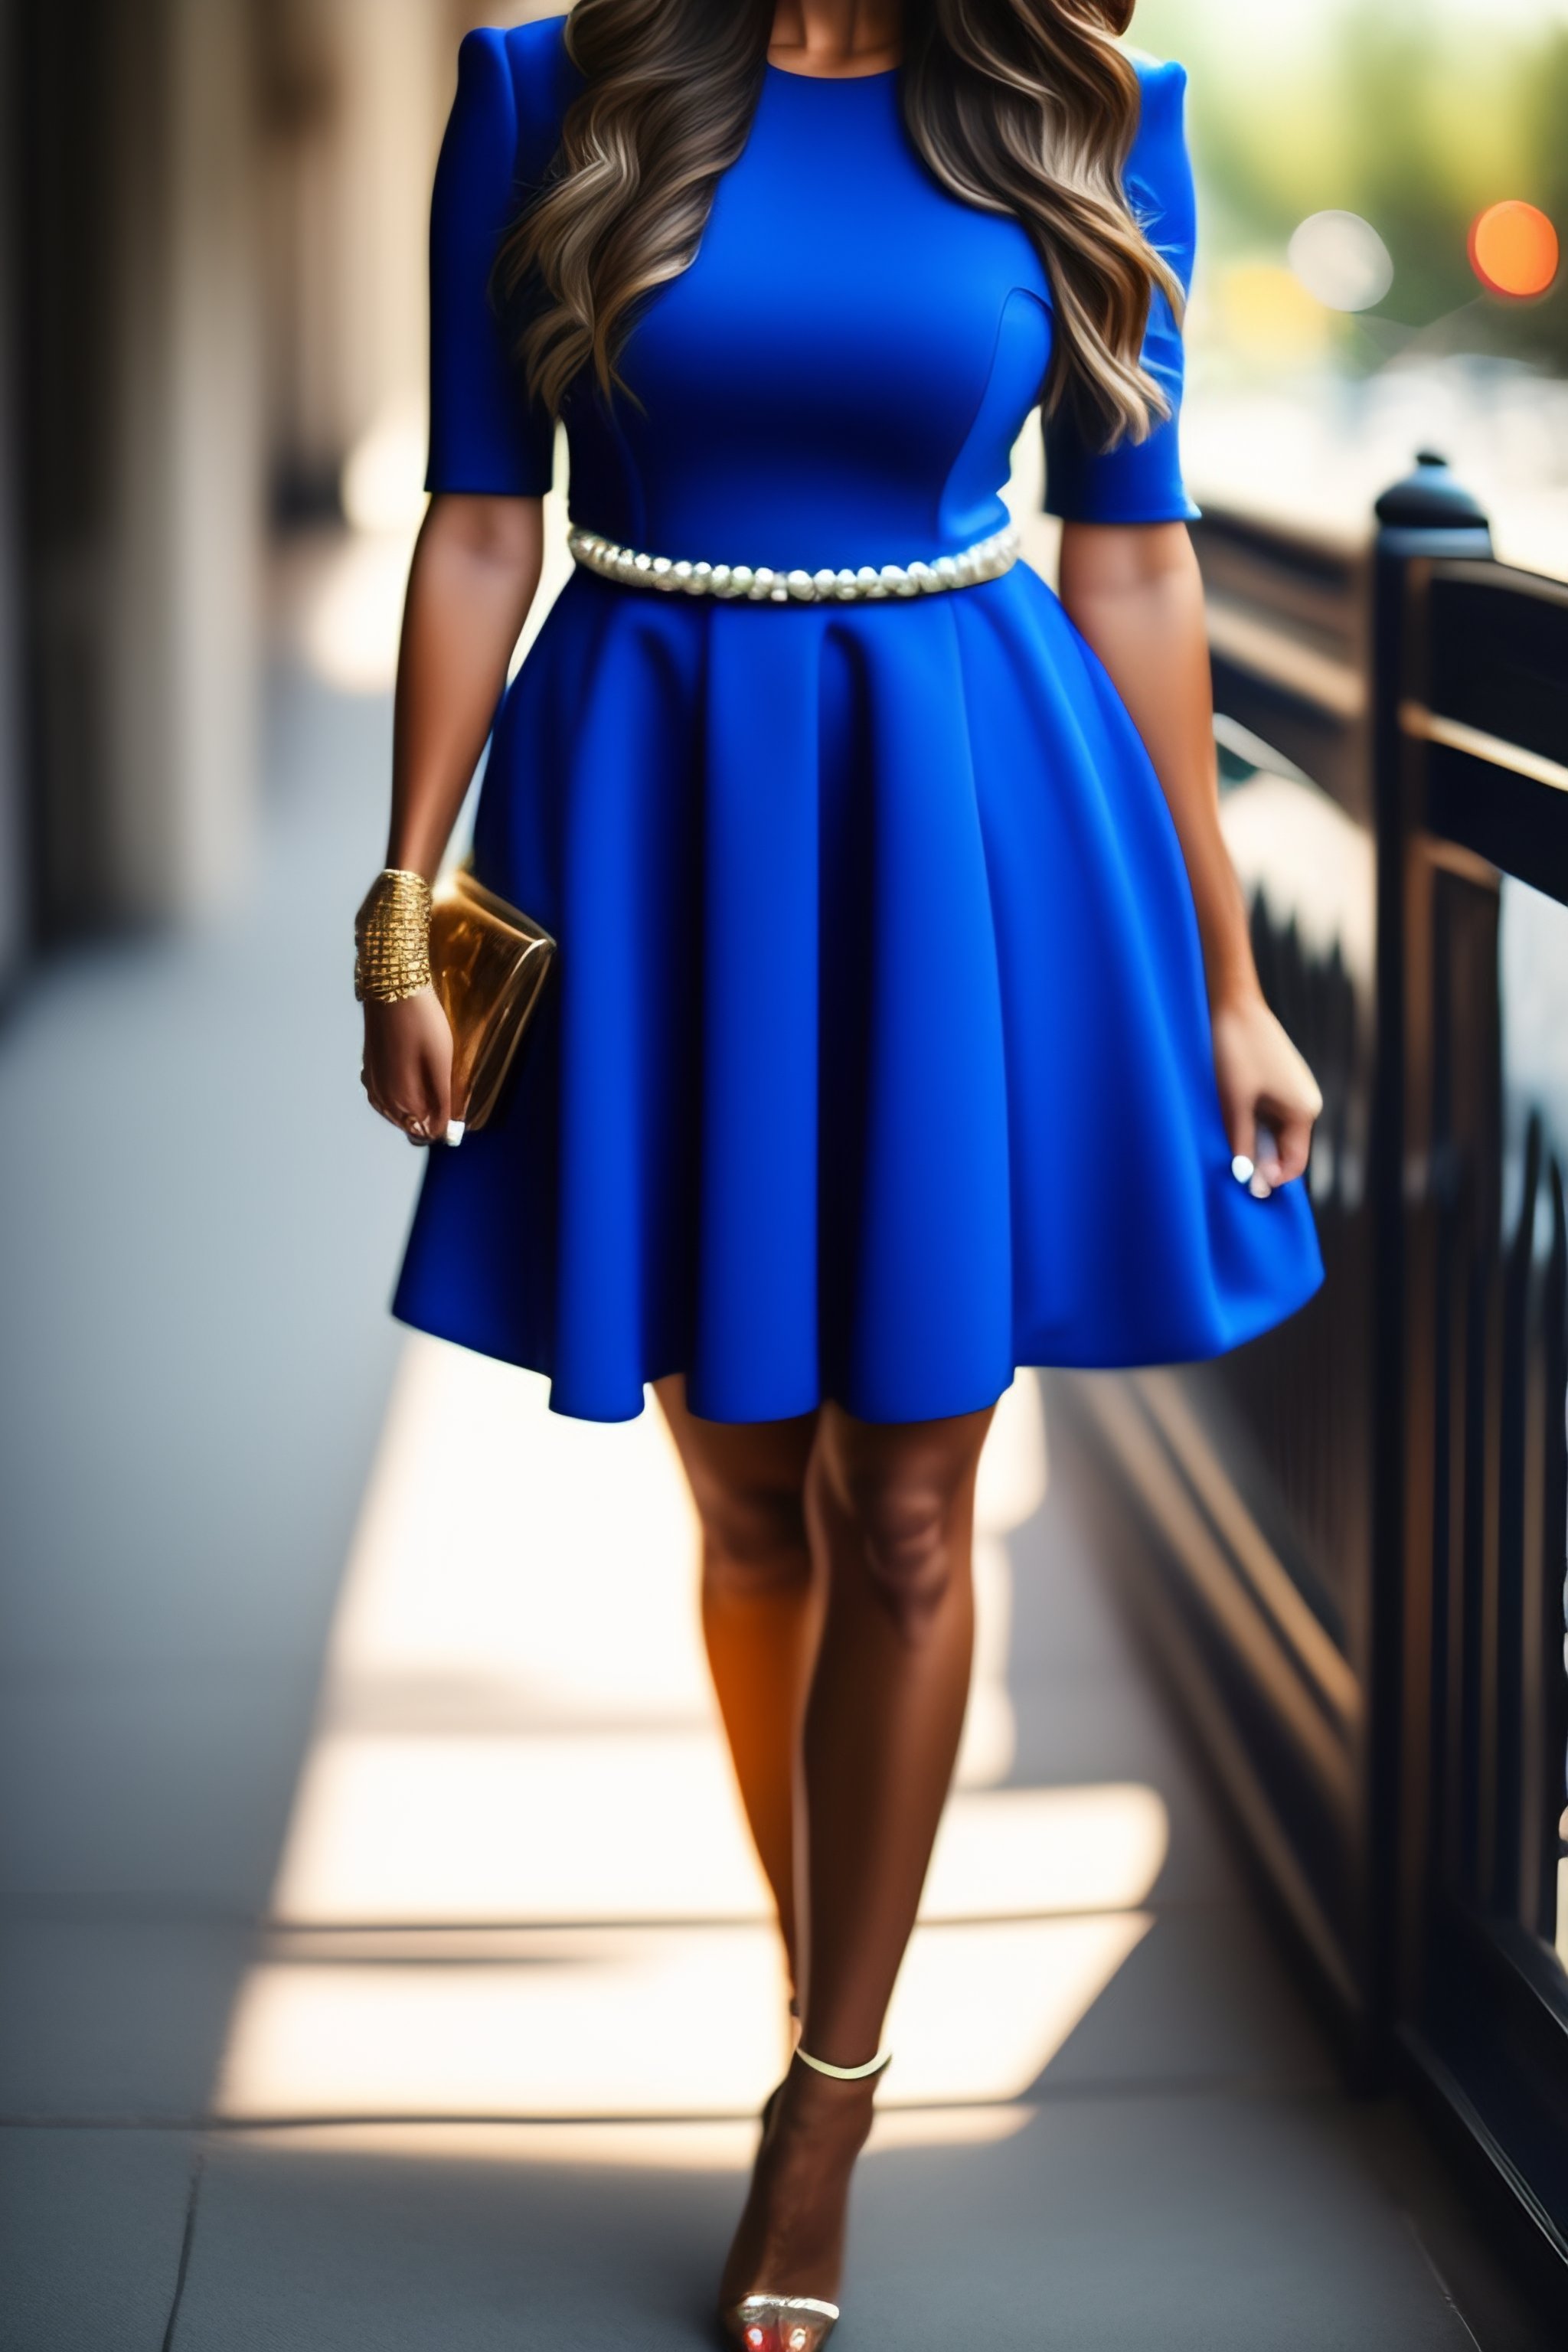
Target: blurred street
(383, 1963)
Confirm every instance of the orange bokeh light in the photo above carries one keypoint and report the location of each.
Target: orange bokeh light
(1513, 250)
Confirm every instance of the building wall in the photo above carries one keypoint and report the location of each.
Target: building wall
(184, 573)
(216, 216)
(136, 322)
(13, 832)
(355, 96)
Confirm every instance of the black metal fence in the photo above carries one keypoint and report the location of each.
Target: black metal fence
(1348, 1539)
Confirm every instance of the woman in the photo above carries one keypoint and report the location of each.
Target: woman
(907, 1028)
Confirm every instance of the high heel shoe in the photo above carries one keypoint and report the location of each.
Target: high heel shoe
(781, 2323)
(762, 2322)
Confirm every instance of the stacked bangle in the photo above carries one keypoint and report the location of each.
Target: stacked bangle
(392, 936)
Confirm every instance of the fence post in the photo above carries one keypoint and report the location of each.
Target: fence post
(1426, 517)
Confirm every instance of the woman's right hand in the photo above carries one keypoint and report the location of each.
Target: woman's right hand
(407, 1071)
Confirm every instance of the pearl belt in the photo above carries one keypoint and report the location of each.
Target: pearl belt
(986, 560)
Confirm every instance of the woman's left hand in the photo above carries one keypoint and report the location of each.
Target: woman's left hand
(1263, 1081)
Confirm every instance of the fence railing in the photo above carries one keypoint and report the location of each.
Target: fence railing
(1348, 1539)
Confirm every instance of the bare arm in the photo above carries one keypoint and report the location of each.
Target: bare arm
(476, 569)
(1135, 594)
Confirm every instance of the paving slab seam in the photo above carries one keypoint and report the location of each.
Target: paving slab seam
(187, 2244)
(25, 1909)
(1251, 2088)
(1172, 1907)
(1444, 2289)
(111, 1910)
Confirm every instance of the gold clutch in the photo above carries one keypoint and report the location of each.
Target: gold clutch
(487, 963)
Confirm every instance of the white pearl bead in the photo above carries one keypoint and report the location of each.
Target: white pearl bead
(985, 559)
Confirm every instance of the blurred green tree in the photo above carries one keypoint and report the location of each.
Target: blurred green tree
(1416, 120)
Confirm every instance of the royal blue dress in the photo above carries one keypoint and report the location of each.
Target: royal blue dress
(877, 1061)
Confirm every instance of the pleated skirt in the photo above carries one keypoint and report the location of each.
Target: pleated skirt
(877, 1061)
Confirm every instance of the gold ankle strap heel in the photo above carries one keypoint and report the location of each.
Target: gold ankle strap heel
(781, 2323)
(793, 2323)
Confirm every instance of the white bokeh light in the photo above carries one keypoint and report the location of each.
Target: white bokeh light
(382, 487)
(1340, 260)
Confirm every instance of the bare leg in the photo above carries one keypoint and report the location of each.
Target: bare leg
(891, 1510)
(761, 1614)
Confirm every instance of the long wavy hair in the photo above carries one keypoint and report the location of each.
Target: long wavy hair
(1022, 107)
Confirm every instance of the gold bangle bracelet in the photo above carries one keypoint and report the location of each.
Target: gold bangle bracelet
(392, 937)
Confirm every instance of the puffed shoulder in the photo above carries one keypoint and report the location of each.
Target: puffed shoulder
(1158, 176)
(1141, 481)
(1163, 82)
(484, 112)
(513, 88)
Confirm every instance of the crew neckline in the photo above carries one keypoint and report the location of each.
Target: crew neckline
(788, 73)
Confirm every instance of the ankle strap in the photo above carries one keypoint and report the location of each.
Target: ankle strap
(844, 2074)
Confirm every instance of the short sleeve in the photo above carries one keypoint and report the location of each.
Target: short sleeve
(1139, 481)
(486, 436)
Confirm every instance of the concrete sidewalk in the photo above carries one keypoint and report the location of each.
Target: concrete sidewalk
(383, 1965)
